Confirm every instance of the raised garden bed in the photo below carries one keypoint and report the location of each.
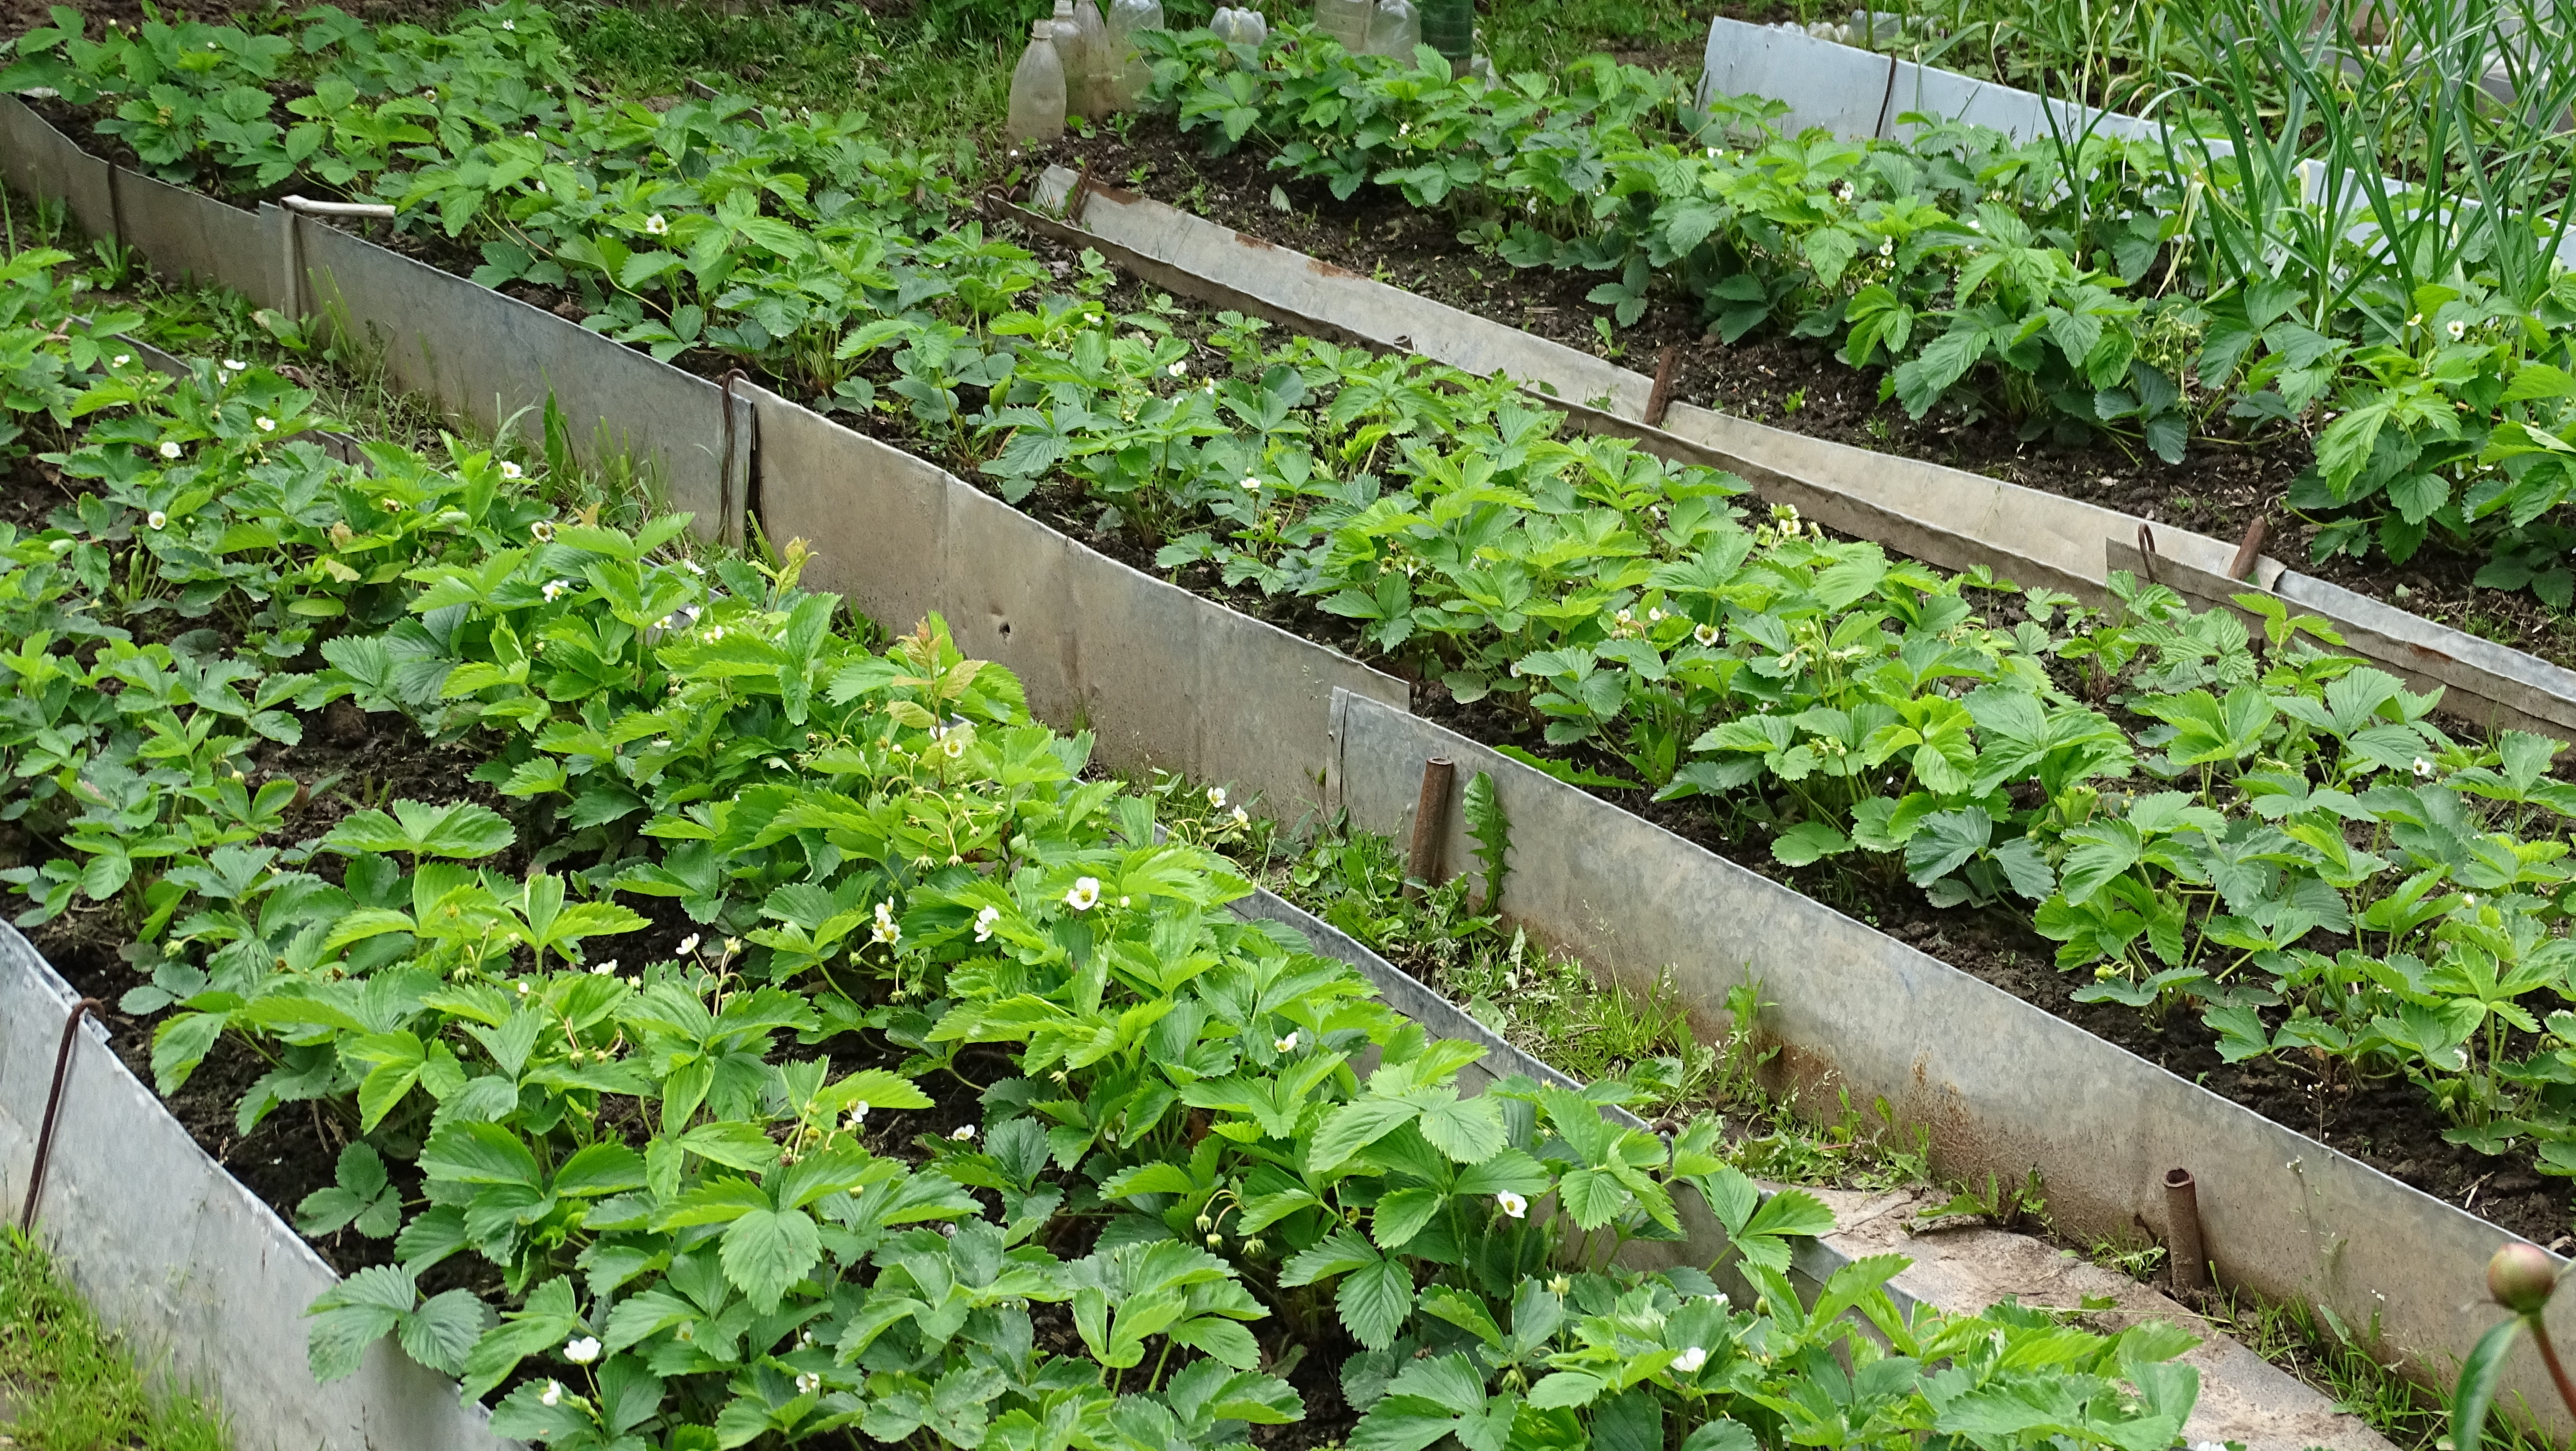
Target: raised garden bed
(1715, 247)
(1024, 612)
(632, 1107)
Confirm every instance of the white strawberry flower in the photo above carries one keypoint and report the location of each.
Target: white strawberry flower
(1512, 1204)
(885, 931)
(984, 921)
(655, 225)
(169, 448)
(156, 519)
(581, 1350)
(265, 424)
(552, 1395)
(1690, 1360)
(963, 1133)
(1084, 895)
(512, 471)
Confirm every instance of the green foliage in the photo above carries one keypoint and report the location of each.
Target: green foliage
(2081, 286)
(733, 1189)
(1491, 830)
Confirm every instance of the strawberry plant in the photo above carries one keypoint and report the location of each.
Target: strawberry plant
(2083, 286)
(730, 1191)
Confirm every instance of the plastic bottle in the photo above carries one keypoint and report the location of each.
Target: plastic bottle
(1097, 98)
(1037, 89)
(1071, 53)
(1240, 27)
(1346, 21)
(1449, 27)
(1130, 73)
(1394, 29)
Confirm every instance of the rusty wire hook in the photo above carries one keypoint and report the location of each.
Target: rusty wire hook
(53, 1110)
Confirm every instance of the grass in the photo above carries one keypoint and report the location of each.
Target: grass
(1532, 37)
(2318, 1348)
(937, 77)
(66, 1384)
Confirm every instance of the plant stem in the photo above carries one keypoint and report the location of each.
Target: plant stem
(2549, 1357)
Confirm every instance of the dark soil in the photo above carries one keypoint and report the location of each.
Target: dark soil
(2220, 488)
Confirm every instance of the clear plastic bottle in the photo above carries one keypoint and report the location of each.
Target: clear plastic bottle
(1345, 21)
(1130, 73)
(1394, 29)
(1240, 27)
(1069, 53)
(1037, 89)
(1097, 100)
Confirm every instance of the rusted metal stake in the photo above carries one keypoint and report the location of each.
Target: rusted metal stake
(53, 1108)
(1076, 195)
(1430, 824)
(1660, 397)
(2147, 551)
(2182, 1230)
(2250, 548)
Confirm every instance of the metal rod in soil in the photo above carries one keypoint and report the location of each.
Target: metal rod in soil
(1430, 824)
